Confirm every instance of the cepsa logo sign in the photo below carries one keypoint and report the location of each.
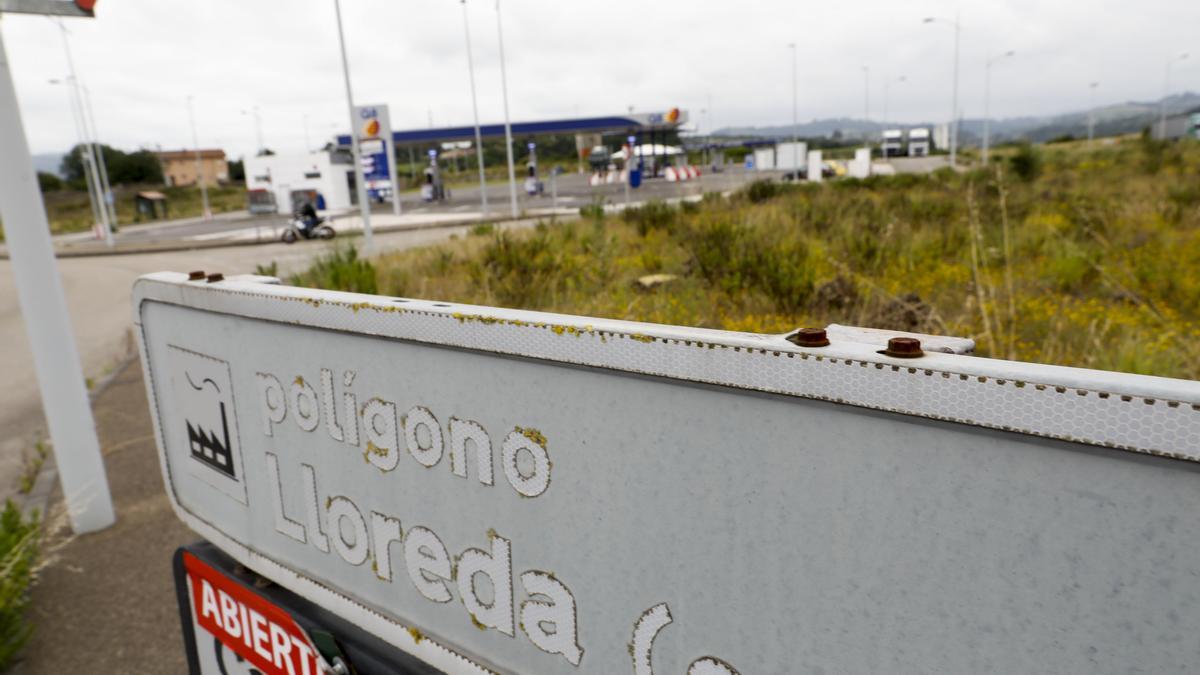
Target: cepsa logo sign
(371, 125)
(250, 626)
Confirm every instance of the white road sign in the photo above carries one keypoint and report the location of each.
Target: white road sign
(504, 491)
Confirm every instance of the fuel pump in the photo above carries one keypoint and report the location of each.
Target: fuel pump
(433, 189)
(533, 185)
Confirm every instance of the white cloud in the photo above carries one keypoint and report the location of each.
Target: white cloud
(141, 59)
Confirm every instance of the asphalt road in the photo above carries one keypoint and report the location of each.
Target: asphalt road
(464, 202)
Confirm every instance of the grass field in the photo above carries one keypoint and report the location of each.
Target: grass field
(1055, 254)
(70, 210)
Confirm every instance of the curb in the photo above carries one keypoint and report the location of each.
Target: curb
(189, 245)
(38, 498)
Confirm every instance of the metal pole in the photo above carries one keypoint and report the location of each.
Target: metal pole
(475, 111)
(1162, 108)
(987, 94)
(512, 172)
(109, 198)
(953, 127)
(44, 307)
(954, 106)
(795, 118)
(207, 212)
(258, 129)
(1091, 112)
(89, 140)
(867, 105)
(359, 179)
(84, 156)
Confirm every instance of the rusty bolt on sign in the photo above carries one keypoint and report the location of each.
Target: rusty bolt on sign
(196, 275)
(903, 348)
(215, 277)
(809, 337)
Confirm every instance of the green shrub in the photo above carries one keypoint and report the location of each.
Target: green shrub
(483, 229)
(594, 211)
(654, 215)
(1026, 163)
(18, 552)
(761, 190)
(341, 270)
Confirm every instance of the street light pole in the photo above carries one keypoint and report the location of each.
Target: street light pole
(795, 120)
(886, 85)
(508, 142)
(1092, 112)
(1162, 112)
(84, 157)
(867, 105)
(475, 111)
(199, 165)
(360, 181)
(89, 141)
(109, 202)
(44, 308)
(953, 130)
(987, 95)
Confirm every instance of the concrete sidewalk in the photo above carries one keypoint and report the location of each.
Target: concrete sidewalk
(105, 602)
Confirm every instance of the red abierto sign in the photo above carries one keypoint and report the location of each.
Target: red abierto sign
(260, 632)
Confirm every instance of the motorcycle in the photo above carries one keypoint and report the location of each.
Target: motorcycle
(297, 229)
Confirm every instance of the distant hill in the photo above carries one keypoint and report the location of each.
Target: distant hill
(48, 163)
(1120, 118)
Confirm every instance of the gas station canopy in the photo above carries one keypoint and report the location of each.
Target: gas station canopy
(625, 124)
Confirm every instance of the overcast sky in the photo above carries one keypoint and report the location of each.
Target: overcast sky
(141, 59)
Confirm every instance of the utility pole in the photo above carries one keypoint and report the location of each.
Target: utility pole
(987, 96)
(109, 198)
(795, 118)
(1162, 106)
(359, 180)
(99, 173)
(508, 142)
(44, 309)
(886, 85)
(867, 105)
(1092, 112)
(207, 212)
(953, 129)
(89, 178)
(483, 193)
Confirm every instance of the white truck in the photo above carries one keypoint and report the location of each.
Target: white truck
(893, 143)
(919, 143)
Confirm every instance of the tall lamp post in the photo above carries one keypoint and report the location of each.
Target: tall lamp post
(1092, 112)
(954, 88)
(795, 121)
(360, 181)
(258, 135)
(94, 155)
(85, 156)
(199, 165)
(867, 105)
(44, 309)
(508, 143)
(1162, 108)
(987, 97)
(475, 111)
(886, 85)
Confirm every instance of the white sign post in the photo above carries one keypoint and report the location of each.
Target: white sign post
(44, 308)
(494, 490)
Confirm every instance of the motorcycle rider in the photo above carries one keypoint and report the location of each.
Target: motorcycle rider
(308, 218)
